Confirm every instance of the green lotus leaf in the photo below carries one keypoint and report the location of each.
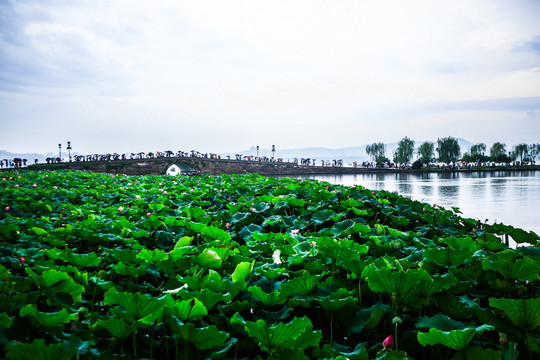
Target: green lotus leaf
(439, 322)
(359, 228)
(524, 313)
(207, 297)
(239, 217)
(525, 269)
(269, 299)
(322, 216)
(83, 260)
(448, 256)
(242, 271)
(341, 227)
(188, 309)
(39, 231)
(37, 350)
(117, 327)
(393, 282)
(152, 256)
(368, 318)
(203, 338)
(421, 293)
(5, 320)
(349, 203)
(299, 286)
(183, 242)
(250, 230)
(195, 227)
(46, 319)
(302, 250)
(260, 207)
(54, 282)
(341, 352)
(454, 339)
(215, 233)
(129, 270)
(336, 300)
(392, 355)
(298, 333)
(210, 258)
(214, 282)
(194, 213)
(134, 307)
(477, 353)
(521, 236)
(341, 249)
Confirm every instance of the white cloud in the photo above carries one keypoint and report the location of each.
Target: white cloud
(310, 69)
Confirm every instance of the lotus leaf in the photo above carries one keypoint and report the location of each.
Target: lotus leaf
(524, 313)
(37, 350)
(46, 319)
(393, 282)
(454, 339)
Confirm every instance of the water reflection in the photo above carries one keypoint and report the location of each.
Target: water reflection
(510, 197)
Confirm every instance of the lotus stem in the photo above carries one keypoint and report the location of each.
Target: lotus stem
(135, 344)
(360, 291)
(331, 329)
(395, 336)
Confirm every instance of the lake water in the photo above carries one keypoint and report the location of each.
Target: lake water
(508, 197)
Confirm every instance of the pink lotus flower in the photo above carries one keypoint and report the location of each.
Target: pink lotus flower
(120, 208)
(326, 187)
(294, 231)
(35, 185)
(16, 185)
(56, 188)
(227, 225)
(424, 209)
(148, 214)
(373, 193)
(7, 208)
(388, 343)
(434, 205)
(22, 260)
(165, 193)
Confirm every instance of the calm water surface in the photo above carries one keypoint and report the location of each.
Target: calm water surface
(508, 197)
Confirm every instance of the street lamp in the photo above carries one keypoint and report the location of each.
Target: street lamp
(69, 150)
(257, 151)
(60, 152)
(273, 151)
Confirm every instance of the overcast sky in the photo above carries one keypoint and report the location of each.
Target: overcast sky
(222, 76)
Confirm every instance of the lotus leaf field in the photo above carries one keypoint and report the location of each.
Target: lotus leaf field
(100, 266)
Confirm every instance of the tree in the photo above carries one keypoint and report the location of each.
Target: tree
(534, 151)
(448, 149)
(521, 151)
(476, 153)
(376, 151)
(425, 150)
(497, 153)
(404, 151)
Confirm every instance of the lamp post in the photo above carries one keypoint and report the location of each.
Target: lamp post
(69, 150)
(59, 152)
(257, 151)
(273, 151)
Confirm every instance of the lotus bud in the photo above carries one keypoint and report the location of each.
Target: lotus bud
(22, 260)
(388, 343)
(503, 339)
(148, 214)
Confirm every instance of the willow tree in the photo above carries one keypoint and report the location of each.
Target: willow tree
(497, 152)
(521, 151)
(425, 150)
(376, 151)
(448, 149)
(405, 150)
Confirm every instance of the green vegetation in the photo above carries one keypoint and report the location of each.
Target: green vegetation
(97, 266)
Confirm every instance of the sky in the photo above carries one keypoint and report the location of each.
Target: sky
(223, 76)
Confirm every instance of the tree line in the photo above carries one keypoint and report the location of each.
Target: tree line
(448, 151)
